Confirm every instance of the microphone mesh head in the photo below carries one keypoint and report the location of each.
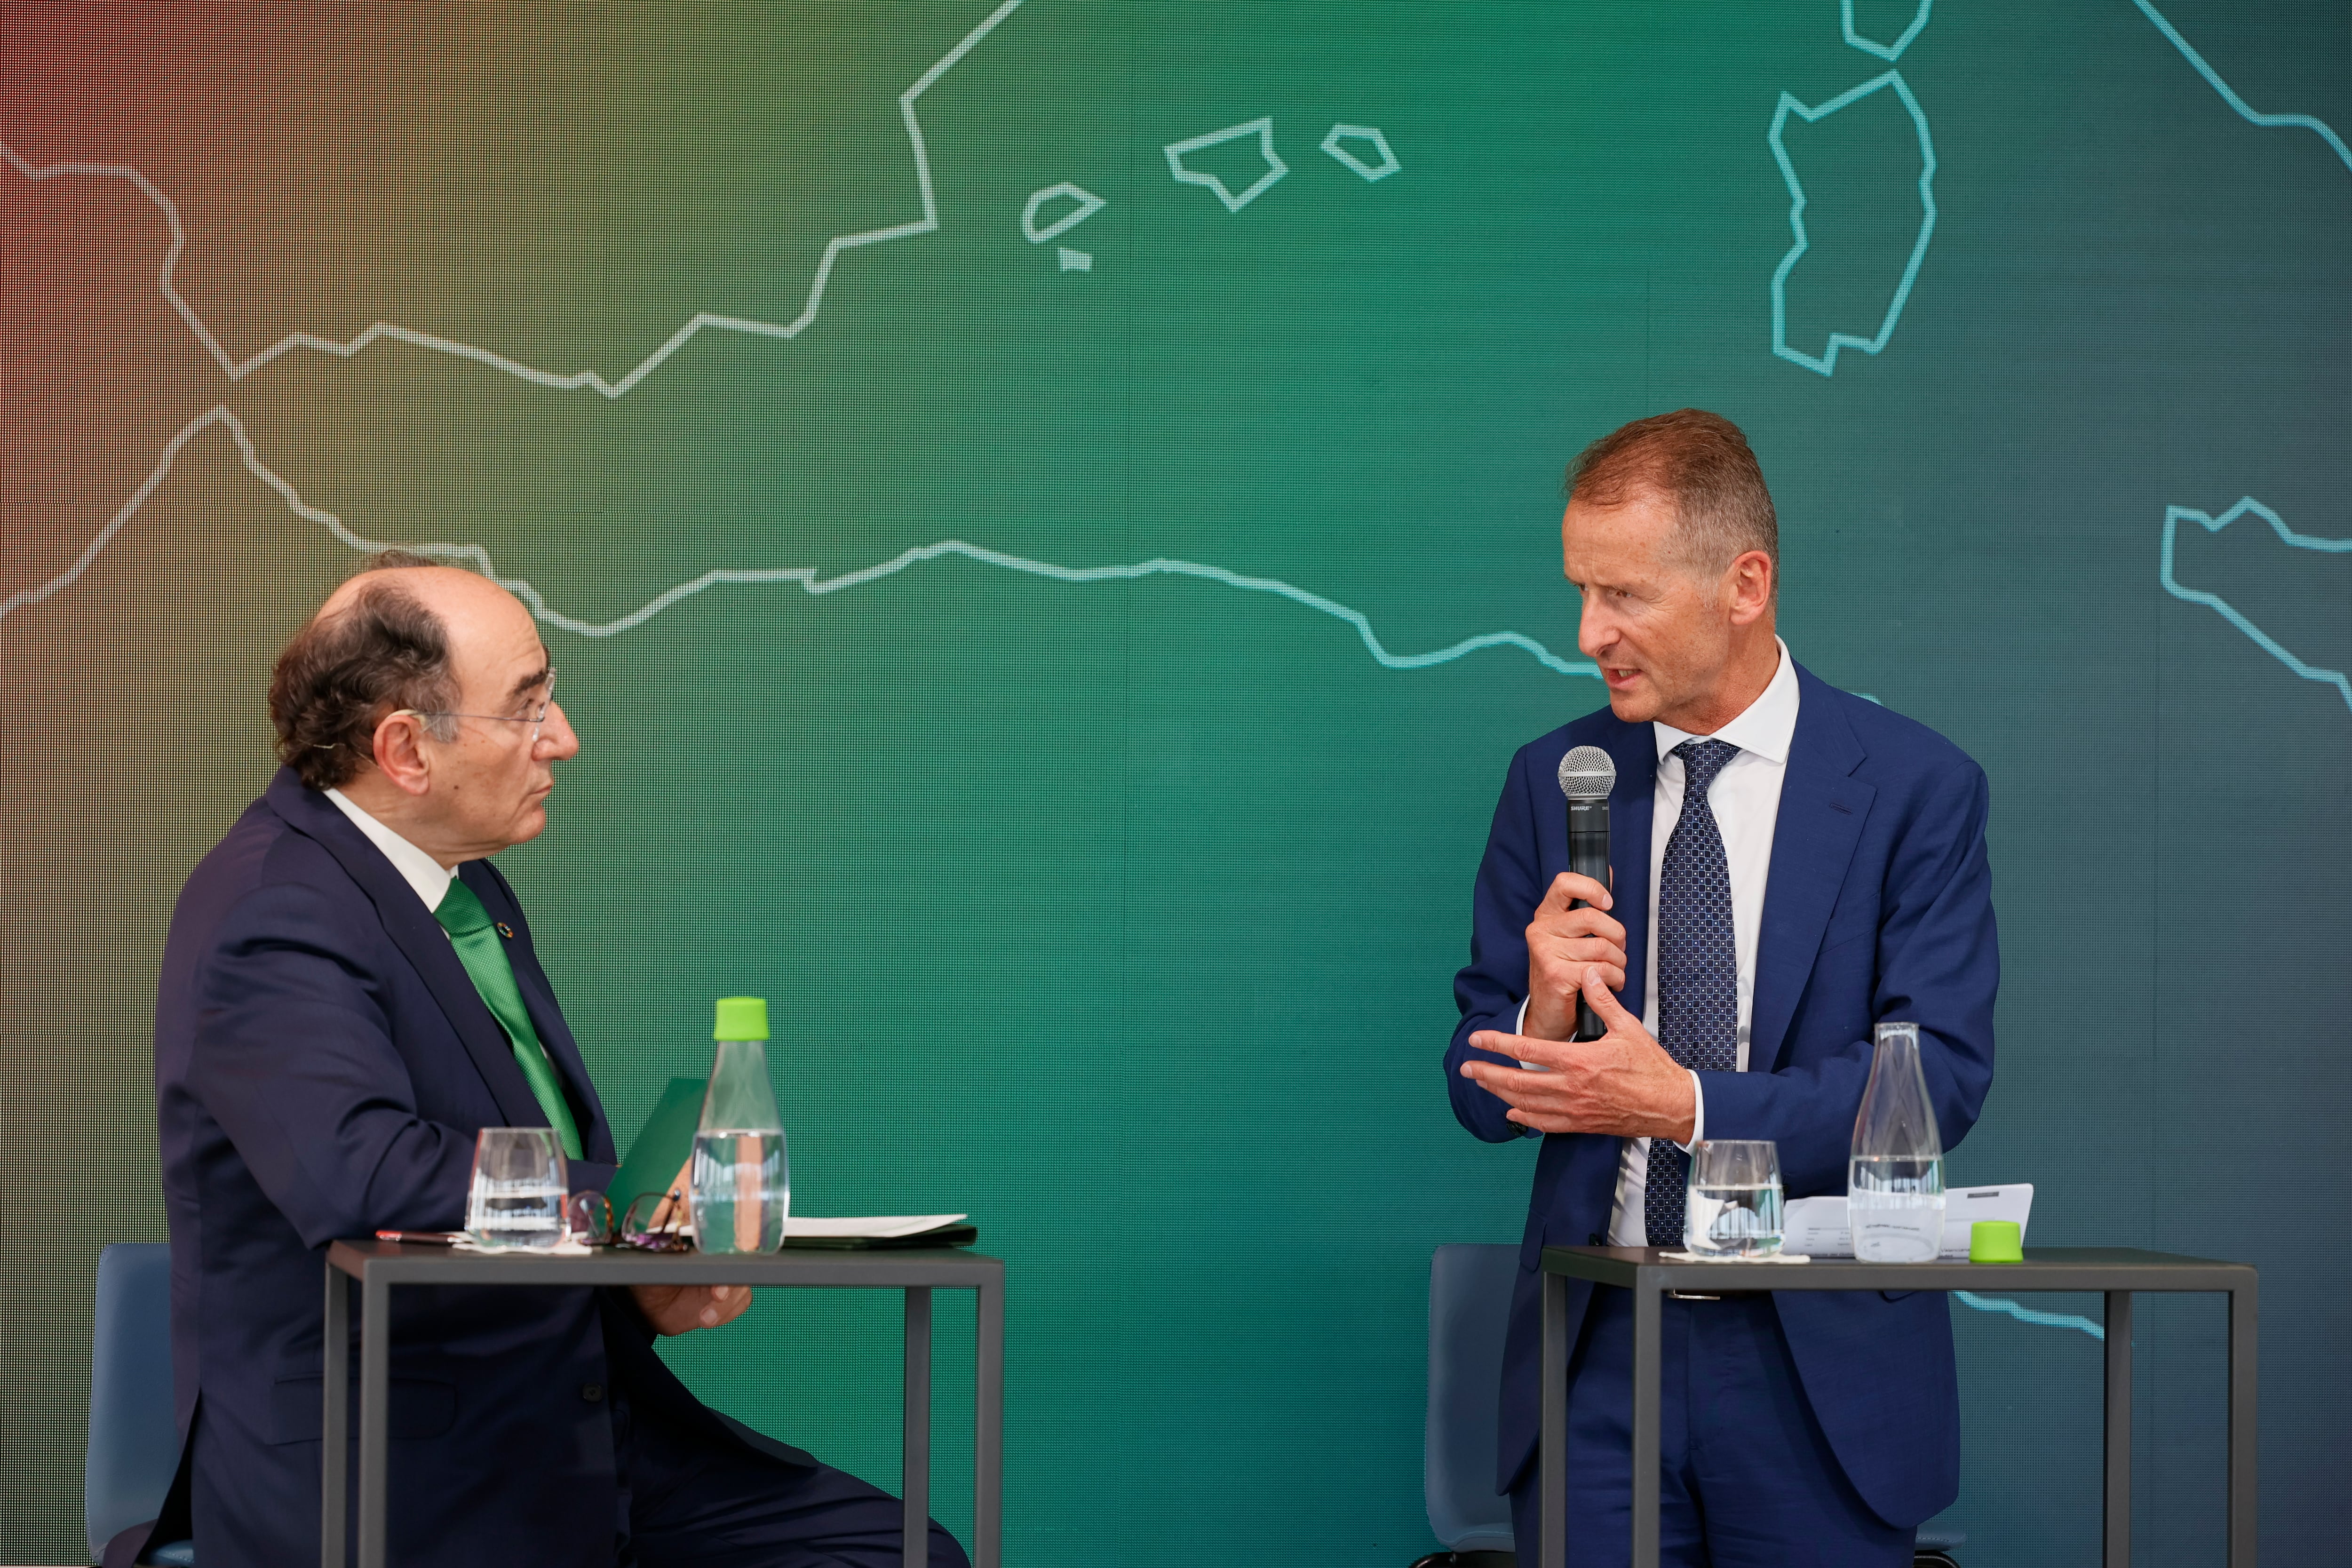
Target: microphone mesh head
(1588, 772)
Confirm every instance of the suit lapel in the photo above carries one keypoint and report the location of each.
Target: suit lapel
(419, 936)
(1823, 809)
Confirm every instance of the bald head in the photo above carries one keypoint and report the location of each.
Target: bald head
(447, 592)
(402, 633)
(424, 694)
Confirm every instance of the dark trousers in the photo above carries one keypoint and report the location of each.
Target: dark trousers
(1747, 1477)
(689, 1501)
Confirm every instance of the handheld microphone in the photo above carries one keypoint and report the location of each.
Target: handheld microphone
(1587, 774)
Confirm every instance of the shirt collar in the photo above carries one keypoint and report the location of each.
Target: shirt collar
(419, 870)
(1766, 727)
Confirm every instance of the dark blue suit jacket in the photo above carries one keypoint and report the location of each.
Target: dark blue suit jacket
(1879, 905)
(322, 1064)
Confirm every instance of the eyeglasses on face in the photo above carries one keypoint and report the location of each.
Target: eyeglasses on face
(536, 717)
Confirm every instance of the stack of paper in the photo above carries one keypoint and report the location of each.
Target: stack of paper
(875, 1227)
(1817, 1226)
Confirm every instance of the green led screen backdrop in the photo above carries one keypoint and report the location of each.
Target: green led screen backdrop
(1047, 516)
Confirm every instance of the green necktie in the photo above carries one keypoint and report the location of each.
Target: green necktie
(476, 938)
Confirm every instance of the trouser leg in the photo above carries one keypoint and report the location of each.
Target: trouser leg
(692, 1501)
(1769, 1489)
(1601, 1441)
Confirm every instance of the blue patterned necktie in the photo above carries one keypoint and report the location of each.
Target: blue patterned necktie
(1698, 968)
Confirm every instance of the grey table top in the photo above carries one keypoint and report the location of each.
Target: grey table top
(2044, 1268)
(419, 1263)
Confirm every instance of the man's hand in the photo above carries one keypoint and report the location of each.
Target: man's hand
(672, 1209)
(680, 1308)
(675, 1309)
(1564, 942)
(1623, 1084)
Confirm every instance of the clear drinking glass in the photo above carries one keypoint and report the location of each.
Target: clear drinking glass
(1894, 1186)
(520, 1184)
(1732, 1207)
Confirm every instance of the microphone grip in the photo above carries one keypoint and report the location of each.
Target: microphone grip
(1588, 856)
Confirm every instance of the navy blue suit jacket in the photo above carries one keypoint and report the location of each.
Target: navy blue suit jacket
(322, 1064)
(1878, 905)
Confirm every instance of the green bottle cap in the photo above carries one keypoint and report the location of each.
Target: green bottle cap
(742, 1018)
(1996, 1241)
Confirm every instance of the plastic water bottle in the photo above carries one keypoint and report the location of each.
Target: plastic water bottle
(742, 1188)
(1894, 1186)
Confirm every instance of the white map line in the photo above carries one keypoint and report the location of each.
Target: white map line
(806, 577)
(237, 369)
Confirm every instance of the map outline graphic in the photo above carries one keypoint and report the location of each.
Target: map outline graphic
(1372, 172)
(1274, 167)
(1825, 364)
(2174, 516)
(1892, 52)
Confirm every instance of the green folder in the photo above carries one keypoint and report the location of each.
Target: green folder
(662, 1146)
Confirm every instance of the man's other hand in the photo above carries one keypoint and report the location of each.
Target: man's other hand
(672, 1210)
(681, 1309)
(677, 1309)
(1564, 942)
(1623, 1084)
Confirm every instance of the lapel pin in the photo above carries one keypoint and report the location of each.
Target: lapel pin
(506, 931)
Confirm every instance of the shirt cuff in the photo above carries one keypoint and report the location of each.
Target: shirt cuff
(1519, 1027)
(1698, 1113)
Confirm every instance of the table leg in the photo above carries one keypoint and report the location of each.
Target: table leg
(2116, 1514)
(2243, 1314)
(915, 1544)
(1647, 1437)
(1551, 1447)
(334, 1448)
(375, 1398)
(988, 1441)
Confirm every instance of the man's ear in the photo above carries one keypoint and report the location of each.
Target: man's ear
(400, 754)
(1749, 581)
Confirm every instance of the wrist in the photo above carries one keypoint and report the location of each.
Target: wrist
(1683, 1109)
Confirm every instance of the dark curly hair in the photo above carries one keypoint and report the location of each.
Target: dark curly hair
(382, 652)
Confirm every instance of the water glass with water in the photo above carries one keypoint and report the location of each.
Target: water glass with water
(519, 1183)
(1732, 1207)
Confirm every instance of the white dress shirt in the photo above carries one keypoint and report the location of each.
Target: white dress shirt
(1745, 798)
(419, 870)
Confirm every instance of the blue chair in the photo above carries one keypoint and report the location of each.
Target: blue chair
(1469, 1303)
(1469, 1306)
(134, 1445)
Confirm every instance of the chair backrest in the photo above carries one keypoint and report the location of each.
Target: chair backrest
(1469, 1306)
(134, 1443)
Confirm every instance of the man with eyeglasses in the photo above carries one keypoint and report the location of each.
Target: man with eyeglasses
(348, 994)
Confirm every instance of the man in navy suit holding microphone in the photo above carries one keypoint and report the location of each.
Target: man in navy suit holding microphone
(1788, 864)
